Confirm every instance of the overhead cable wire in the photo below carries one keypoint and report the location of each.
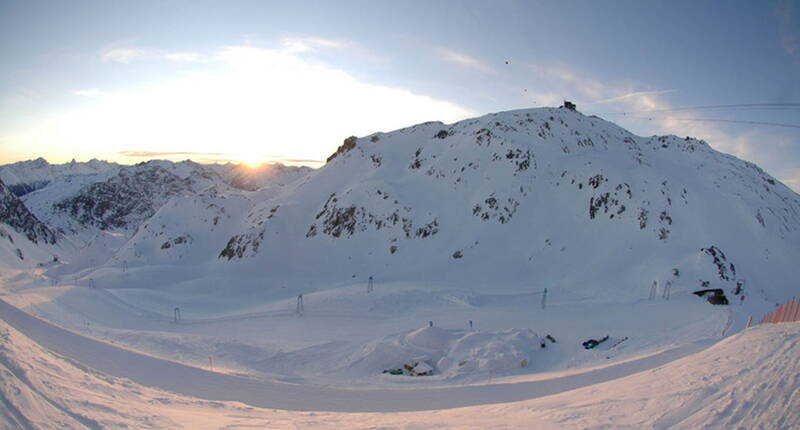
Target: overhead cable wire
(743, 106)
(774, 124)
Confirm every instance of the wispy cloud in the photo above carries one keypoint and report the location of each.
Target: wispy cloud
(90, 93)
(788, 25)
(463, 60)
(155, 154)
(793, 182)
(589, 91)
(298, 45)
(288, 45)
(127, 55)
(568, 80)
(217, 157)
(631, 95)
(298, 161)
(184, 57)
(122, 55)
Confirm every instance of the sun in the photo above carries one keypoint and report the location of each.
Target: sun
(250, 161)
(249, 157)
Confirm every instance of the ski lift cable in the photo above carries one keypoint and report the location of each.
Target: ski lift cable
(719, 109)
(743, 106)
(774, 124)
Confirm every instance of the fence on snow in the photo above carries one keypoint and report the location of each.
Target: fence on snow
(787, 312)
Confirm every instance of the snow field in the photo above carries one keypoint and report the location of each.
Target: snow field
(346, 336)
(749, 380)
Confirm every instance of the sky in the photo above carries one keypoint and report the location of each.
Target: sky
(265, 81)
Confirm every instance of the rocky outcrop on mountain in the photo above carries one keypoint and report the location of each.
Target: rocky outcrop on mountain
(14, 214)
(336, 220)
(347, 145)
(126, 199)
(27, 187)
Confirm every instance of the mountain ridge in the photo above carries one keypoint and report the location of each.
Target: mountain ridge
(546, 196)
(519, 196)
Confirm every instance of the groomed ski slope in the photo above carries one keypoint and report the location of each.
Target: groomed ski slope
(196, 382)
(750, 380)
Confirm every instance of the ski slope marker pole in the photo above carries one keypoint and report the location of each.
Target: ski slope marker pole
(544, 298)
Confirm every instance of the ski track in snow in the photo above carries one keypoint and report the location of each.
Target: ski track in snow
(196, 382)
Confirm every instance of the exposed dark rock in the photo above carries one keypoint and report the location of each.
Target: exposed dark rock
(347, 145)
(125, 200)
(16, 215)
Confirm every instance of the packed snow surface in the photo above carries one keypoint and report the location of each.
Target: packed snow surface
(750, 380)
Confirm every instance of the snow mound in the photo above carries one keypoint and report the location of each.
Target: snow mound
(454, 354)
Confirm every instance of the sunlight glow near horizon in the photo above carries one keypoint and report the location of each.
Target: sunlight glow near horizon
(251, 104)
(278, 82)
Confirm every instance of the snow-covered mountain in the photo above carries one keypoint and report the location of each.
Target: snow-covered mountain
(547, 197)
(98, 205)
(26, 176)
(133, 194)
(543, 197)
(104, 196)
(252, 178)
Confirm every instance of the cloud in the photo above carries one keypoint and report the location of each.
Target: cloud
(91, 93)
(217, 157)
(288, 45)
(184, 57)
(299, 161)
(568, 79)
(786, 11)
(297, 45)
(463, 60)
(631, 95)
(167, 154)
(309, 46)
(588, 91)
(120, 55)
(544, 98)
(244, 103)
(128, 55)
(793, 182)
